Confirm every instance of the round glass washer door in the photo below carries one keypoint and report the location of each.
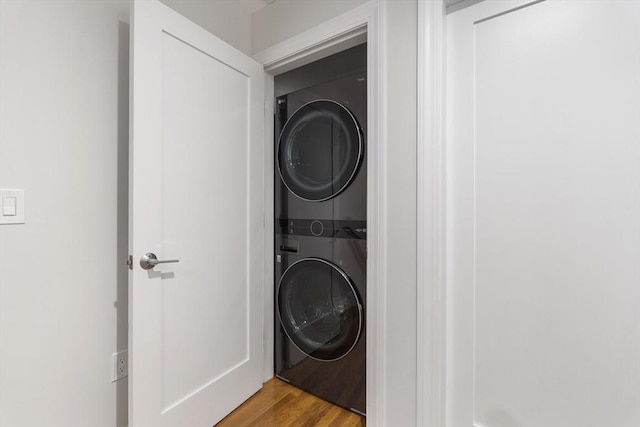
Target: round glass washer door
(319, 309)
(320, 150)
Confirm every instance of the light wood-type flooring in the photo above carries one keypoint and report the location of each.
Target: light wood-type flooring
(280, 405)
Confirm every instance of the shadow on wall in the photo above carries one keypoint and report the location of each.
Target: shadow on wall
(122, 302)
(499, 418)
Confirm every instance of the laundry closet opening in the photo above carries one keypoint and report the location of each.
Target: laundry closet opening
(320, 230)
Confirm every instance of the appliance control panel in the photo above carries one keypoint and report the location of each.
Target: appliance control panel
(346, 229)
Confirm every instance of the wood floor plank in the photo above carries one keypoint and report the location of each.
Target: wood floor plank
(309, 411)
(247, 414)
(277, 414)
(279, 404)
(345, 419)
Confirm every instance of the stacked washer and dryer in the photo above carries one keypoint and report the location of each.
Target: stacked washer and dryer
(321, 229)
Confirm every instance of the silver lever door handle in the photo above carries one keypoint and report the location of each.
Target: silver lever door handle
(150, 260)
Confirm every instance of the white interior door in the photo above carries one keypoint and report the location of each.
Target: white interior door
(544, 214)
(195, 336)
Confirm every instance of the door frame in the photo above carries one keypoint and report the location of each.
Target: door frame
(431, 206)
(367, 23)
(361, 24)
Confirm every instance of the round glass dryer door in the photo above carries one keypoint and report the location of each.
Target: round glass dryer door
(320, 150)
(319, 309)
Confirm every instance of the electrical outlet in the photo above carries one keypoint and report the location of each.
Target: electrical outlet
(120, 365)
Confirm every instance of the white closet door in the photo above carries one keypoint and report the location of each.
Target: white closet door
(196, 341)
(544, 214)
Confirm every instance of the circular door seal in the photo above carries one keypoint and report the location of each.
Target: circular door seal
(320, 150)
(319, 309)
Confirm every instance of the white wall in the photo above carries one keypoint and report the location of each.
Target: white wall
(286, 18)
(64, 139)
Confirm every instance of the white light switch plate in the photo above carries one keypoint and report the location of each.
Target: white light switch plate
(11, 206)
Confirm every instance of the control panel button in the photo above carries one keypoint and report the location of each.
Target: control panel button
(316, 228)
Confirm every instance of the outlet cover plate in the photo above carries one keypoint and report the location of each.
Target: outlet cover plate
(119, 365)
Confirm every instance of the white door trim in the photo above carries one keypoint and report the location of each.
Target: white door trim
(349, 29)
(431, 239)
(340, 33)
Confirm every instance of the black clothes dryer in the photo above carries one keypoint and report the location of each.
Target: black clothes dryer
(320, 341)
(321, 151)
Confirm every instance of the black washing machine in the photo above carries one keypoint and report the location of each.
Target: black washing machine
(321, 151)
(320, 336)
(321, 229)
